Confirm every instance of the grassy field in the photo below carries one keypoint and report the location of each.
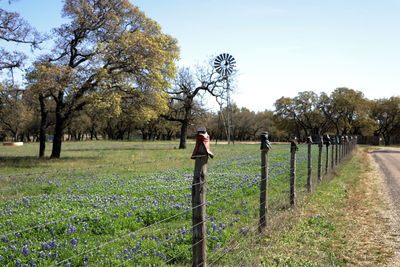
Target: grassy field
(343, 223)
(129, 203)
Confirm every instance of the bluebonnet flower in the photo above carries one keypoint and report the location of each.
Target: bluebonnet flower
(53, 244)
(45, 246)
(25, 251)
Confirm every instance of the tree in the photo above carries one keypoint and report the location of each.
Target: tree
(15, 29)
(304, 111)
(14, 112)
(44, 81)
(109, 46)
(386, 112)
(183, 96)
(343, 108)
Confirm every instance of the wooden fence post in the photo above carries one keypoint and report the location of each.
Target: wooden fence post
(309, 165)
(343, 148)
(327, 141)
(265, 147)
(320, 145)
(200, 155)
(332, 153)
(336, 150)
(293, 150)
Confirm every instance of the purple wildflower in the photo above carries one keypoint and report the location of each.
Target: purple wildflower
(25, 251)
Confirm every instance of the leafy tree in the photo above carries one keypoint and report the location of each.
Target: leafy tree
(108, 46)
(45, 80)
(14, 112)
(386, 112)
(304, 111)
(343, 108)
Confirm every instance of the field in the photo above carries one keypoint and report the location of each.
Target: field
(129, 203)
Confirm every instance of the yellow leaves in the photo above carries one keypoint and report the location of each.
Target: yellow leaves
(105, 101)
(47, 78)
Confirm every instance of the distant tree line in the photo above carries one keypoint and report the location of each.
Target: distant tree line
(111, 74)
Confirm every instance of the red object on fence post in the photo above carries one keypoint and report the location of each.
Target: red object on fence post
(200, 153)
(265, 147)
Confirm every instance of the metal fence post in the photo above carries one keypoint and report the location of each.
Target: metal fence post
(293, 150)
(265, 147)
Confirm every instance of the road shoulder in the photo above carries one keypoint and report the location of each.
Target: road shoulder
(390, 212)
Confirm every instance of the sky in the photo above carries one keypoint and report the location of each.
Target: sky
(281, 47)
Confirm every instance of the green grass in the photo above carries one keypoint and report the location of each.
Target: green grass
(340, 224)
(100, 213)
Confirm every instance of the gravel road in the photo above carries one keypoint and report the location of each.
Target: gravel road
(388, 161)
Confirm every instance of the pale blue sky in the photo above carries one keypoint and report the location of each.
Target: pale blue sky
(281, 47)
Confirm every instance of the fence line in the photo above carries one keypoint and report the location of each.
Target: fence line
(201, 259)
(143, 228)
(344, 148)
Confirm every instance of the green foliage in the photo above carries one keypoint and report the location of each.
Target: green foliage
(345, 112)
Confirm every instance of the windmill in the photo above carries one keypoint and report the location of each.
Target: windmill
(224, 64)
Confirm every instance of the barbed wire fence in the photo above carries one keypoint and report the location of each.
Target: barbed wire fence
(271, 198)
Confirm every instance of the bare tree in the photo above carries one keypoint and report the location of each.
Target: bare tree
(13, 28)
(187, 91)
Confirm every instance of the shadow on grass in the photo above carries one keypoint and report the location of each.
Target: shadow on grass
(33, 161)
(118, 149)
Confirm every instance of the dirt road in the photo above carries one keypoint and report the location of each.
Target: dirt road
(388, 161)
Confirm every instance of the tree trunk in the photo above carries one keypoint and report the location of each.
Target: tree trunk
(58, 129)
(386, 137)
(184, 130)
(43, 124)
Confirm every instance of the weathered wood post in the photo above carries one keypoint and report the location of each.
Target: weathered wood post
(342, 143)
(332, 153)
(309, 165)
(200, 154)
(265, 147)
(320, 145)
(293, 150)
(336, 150)
(327, 142)
(340, 148)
